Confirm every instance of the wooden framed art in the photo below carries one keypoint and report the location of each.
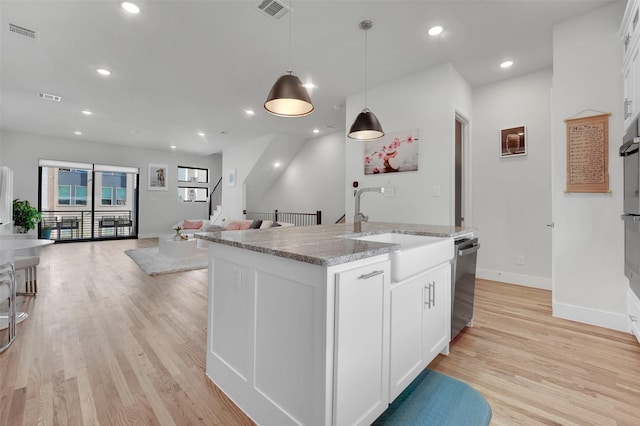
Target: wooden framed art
(513, 142)
(588, 154)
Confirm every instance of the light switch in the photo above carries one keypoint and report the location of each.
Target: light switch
(436, 191)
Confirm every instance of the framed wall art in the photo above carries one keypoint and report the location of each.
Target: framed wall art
(157, 177)
(513, 142)
(394, 152)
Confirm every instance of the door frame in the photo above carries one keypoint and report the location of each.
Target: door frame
(466, 210)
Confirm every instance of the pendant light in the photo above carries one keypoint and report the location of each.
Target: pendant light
(366, 127)
(288, 97)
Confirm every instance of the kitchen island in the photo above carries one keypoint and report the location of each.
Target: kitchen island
(302, 326)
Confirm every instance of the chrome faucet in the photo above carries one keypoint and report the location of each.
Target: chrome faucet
(360, 217)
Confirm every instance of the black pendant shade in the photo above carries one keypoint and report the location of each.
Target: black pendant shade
(366, 127)
(288, 98)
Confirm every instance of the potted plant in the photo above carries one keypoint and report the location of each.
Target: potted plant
(25, 216)
(46, 231)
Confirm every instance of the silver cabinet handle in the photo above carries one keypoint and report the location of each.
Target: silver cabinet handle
(633, 318)
(433, 293)
(370, 274)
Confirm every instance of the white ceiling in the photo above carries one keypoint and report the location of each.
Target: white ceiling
(185, 66)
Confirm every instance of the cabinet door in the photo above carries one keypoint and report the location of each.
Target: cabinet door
(406, 358)
(437, 312)
(633, 310)
(230, 316)
(361, 363)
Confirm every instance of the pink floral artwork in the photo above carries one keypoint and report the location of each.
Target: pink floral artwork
(395, 152)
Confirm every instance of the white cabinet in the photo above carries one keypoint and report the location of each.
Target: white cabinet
(362, 337)
(420, 324)
(629, 33)
(633, 310)
(631, 85)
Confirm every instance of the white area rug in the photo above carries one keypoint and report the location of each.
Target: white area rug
(154, 263)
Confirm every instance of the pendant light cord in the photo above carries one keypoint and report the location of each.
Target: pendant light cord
(290, 18)
(365, 66)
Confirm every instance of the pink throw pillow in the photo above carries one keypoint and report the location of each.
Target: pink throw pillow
(188, 224)
(232, 226)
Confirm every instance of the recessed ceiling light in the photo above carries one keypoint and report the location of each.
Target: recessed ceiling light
(172, 146)
(86, 112)
(506, 64)
(309, 86)
(276, 165)
(249, 112)
(130, 7)
(103, 71)
(316, 131)
(77, 132)
(200, 133)
(434, 31)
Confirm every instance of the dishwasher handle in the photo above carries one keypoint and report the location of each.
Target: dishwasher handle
(472, 247)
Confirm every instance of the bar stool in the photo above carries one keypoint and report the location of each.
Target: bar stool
(28, 264)
(8, 292)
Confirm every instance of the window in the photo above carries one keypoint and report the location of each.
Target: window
(64, 195)
(121, 196)
(81, 195)
(107, 196)
(193, 174)
(192, 194)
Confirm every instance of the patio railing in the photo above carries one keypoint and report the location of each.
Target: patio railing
(71, 225)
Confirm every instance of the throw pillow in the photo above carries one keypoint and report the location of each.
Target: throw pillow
(256, 224)
(189, 224)
(232, 226)
(245, 224)
(275, 224)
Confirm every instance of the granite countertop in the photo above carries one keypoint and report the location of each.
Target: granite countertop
(326, 245)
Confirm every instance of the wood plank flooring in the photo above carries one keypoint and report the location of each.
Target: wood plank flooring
(106, 344)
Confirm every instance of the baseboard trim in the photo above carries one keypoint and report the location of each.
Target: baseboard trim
(511, 278)
(591, 316)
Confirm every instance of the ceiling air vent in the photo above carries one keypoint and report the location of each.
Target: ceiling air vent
(23, 32)
(273, 8)
(50, 97)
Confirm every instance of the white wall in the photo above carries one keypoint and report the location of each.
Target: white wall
(159, 210)
(588, 254)
(427, 101)
(313, 181)
(512, 196)
(239, 159)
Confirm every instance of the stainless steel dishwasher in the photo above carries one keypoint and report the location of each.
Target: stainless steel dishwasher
(463, 285)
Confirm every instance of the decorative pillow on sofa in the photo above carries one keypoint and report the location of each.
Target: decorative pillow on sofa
(256, 224)
(266, 224)
(189, 224)
(235, 225)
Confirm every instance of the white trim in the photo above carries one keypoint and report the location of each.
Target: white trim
(511, 278)
(116, 169)
(64, 164)
(611, 320)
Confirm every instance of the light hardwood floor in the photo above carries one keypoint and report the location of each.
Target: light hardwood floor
(106, 344)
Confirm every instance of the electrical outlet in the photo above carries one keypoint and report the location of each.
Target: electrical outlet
(520, 259)
(388, 191)
(436, 191)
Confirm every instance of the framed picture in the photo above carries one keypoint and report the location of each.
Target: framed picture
(394, 152)
(231, 177)
(513, 142)
(157, 177)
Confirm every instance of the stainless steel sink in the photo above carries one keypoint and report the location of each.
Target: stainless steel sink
(417, 253)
